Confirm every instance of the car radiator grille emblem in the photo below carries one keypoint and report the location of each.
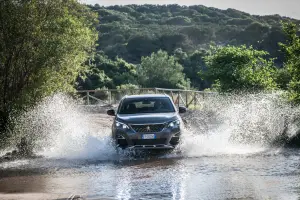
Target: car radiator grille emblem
(149, 128)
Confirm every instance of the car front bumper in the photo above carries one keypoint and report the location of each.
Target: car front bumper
(150, 147)
(166, 139)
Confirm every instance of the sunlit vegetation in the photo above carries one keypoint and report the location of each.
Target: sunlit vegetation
(43, 45)
(59, 46)
(132, 33)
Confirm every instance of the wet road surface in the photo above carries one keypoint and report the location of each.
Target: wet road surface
(274, 174)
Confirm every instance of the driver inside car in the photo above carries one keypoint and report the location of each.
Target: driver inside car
(158, 105)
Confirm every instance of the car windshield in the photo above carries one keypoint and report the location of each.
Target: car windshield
(146, 105)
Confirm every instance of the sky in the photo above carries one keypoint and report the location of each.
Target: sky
(289, 8)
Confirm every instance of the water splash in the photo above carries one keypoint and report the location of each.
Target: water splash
(59, 128)
(236, 124)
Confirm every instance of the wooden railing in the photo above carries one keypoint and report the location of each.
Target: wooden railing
(187, 98)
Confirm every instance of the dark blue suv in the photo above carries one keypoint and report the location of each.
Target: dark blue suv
(147, 122)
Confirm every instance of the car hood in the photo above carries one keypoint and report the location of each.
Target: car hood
(147, 118)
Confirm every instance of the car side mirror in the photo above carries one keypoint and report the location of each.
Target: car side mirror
(182, 109)
(111, 112)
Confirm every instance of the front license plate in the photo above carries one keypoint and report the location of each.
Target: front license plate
(148, 136)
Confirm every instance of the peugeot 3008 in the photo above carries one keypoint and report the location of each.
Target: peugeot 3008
(146, 122)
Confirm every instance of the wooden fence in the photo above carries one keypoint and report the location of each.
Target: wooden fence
(187, 98)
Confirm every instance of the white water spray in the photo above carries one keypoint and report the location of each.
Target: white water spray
(224, 126)
(61, 129)
(236, 124)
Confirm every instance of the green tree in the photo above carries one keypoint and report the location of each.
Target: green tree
(179, 20)
(239, 68)
(169, 42)
(43, 45)
(292, 63)
(282, 78)
(108, 73)
(161, 70)
(192, 64)
(94, 78)
(134, 31)
(140, 46)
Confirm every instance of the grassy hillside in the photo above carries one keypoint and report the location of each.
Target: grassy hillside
(133, 31)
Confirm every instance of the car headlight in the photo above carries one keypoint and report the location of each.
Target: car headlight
(121, 125)
(174, 124)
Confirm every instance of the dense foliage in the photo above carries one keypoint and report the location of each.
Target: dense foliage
(42, 47)
(108, 73)
(161, 70)
(45, 47)
(239, 69)
(132, 32)
(292, 63)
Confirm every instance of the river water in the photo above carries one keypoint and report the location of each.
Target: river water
(273, 174)
(226, 153)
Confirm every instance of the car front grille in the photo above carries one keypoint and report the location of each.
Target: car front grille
(151, 128)
(148, 142)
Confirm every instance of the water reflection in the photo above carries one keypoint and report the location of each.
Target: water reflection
(179, 184)
(143, 179)
(124, 184)
(223, 177)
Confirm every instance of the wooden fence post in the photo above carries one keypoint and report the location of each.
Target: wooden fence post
(186, 100)
(178, 99)
(195, 100)
(88, 98)
(109, 97)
